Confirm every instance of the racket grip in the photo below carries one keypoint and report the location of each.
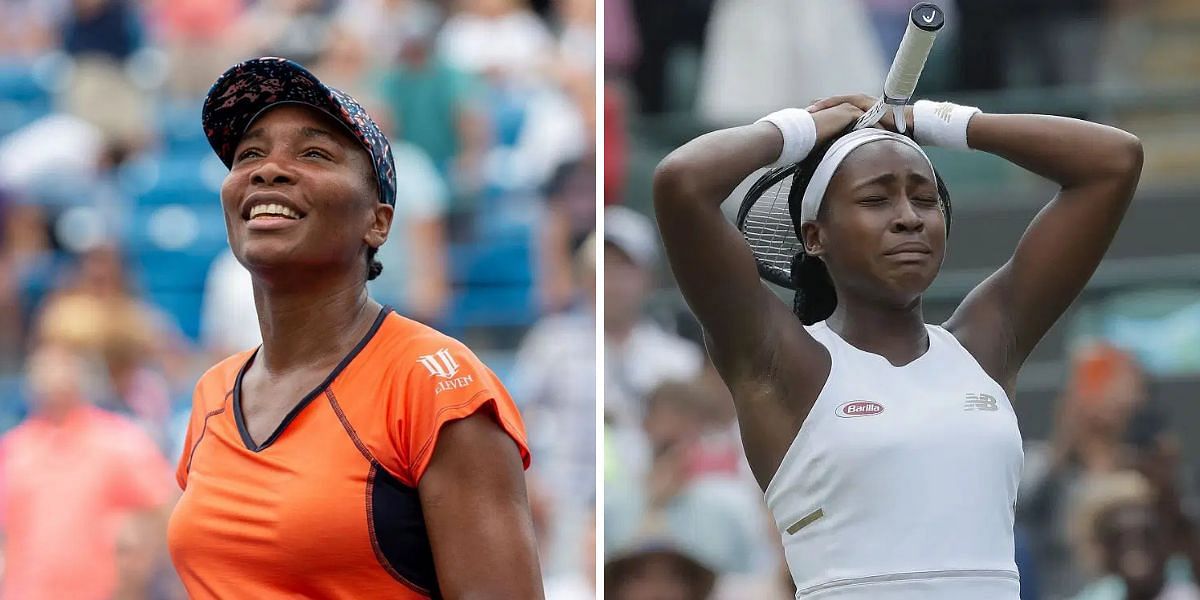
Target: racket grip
(925, 20)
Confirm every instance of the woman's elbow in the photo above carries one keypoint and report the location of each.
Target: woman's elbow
(1125, 156)
(674, 182)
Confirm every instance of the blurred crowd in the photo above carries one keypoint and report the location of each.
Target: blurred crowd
(1107, 505)
(117, 288)
(681, 510)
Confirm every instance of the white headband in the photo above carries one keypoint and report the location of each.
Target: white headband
(815, 192)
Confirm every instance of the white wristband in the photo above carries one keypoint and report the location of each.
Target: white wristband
(942, 124)
(799, 134)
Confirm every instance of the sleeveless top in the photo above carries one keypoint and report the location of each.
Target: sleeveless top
(902, 481)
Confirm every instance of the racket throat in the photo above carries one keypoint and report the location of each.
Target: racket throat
(877, 110)
(898, 116)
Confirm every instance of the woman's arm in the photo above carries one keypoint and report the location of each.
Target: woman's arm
(1097, 168)
(712, 264)
(477, 513)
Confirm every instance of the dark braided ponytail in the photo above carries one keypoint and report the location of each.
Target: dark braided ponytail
(816, 298)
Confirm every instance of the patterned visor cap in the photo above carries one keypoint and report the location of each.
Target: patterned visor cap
(247, 89)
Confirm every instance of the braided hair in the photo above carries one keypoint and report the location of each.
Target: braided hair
(816, 297)
(374, 267)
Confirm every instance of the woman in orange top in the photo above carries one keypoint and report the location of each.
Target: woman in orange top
(356, 453)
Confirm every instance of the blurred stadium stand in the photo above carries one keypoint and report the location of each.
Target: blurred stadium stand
(177, 227)
(490, 201)
(1145, 296)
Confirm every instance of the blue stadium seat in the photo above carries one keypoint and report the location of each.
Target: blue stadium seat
(178, 193)
(196, 146)
(507, 117)
(17, 83)
(507, 262)
(180, 120)
(504, 306)
(205, 233)
(183, 306)
(172, 271)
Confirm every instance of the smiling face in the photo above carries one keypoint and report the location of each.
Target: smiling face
(301, 195)
(881, 231)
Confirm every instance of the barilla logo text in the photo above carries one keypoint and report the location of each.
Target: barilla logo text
(859, 408)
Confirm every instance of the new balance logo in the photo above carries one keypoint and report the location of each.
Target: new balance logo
(439, 364)
(944, 111)
(980, 402)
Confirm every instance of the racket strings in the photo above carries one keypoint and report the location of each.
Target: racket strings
(769, 232)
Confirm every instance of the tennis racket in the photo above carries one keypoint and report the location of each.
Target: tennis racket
(925, 20)
(764, 217)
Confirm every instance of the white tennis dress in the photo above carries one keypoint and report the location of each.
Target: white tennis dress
(901, 483)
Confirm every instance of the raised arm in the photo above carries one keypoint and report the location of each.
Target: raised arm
(712, 264)
(1097, 167)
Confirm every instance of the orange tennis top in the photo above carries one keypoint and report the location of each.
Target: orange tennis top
(327, 506)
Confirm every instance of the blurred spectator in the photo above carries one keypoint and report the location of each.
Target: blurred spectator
(785, 53)
(97, 309)
(344, 63)
(579, 583)
(384, 27)
(29, 27)
(57, 146)
(295, 29)
(571, 201)
(415, 262)
(616, 153)
(108, 28)
(685, 487)
(753, 43)
(663, 30)
(26, 257)
(1026, 43)
(437, 107)
(657, 572)
(621, 43)
(10, 300)
(83, 492)
(101, 36)
(735, 586)
(228, 320)
(1105, 424)
(638, 354)
(555, 381)
(63, 161)
(500, 39)
(1132, 528)
(571, 196)
(577, 35)
(197, 37)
